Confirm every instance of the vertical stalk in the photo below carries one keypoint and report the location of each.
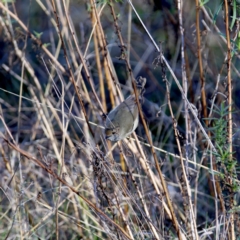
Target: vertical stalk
(229, 58)
(203, 94)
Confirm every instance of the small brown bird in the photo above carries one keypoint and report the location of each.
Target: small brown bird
(123, 119)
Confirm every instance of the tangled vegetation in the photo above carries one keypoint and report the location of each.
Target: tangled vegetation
(64, 64)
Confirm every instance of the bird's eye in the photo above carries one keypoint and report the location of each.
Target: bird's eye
(115, 130)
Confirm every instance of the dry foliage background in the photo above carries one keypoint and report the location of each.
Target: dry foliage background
(64, 64)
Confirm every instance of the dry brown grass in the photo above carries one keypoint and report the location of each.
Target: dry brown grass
(64, 65)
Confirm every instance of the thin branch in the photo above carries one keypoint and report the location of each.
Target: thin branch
(51, 172)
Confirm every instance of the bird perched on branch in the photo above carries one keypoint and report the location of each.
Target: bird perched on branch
(124, 118)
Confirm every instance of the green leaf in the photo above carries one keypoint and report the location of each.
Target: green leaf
(202, 3)
(238, 41)
(234, 17)
(38, 35)
(8, 1)
(46, 44)
(217, 12)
